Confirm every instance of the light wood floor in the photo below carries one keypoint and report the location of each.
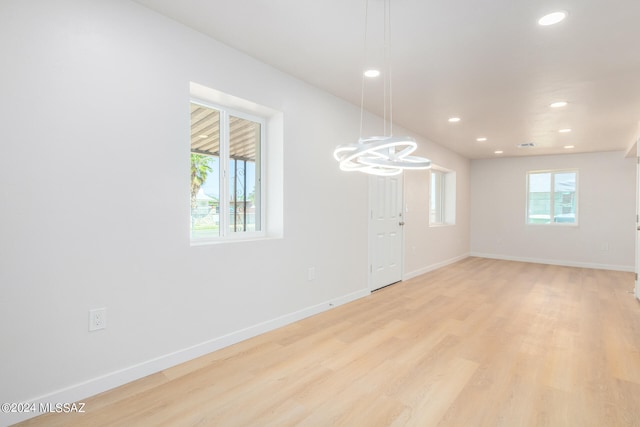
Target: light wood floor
(478, 343)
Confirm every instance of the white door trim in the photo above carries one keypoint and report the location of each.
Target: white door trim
(637, 283)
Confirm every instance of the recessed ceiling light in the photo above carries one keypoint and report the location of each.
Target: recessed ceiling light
(498, 152)
(203, 136)
(454, 119)
(564, 130)
(372, 73)
(552, 18)
(569, 146)
(481, 139)
(558, 104)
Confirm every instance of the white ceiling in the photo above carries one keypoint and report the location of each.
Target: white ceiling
(486, 61)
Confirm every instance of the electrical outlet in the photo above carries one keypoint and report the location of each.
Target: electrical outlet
(311, 274)
(97, 319)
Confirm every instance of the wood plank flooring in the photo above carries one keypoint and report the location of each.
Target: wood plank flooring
(478, 343)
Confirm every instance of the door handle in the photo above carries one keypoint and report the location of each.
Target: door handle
(402, 223)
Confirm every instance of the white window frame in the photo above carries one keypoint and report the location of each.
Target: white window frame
(553, 172)
(437, 199)
(224, 178)
(272, 154)
(446, 196)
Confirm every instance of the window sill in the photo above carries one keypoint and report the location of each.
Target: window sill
(441, 225)
(554, 224)
(226, 240)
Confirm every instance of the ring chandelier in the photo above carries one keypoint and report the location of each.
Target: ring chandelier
(380, 155)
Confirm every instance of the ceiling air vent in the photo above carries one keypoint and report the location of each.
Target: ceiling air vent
(526, 145)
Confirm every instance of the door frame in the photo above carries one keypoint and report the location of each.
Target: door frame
(637, 267)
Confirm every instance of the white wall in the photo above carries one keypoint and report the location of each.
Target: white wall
(605, 236)
(94, 171)
(427, 248)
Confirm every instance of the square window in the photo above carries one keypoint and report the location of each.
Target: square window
(552, 197)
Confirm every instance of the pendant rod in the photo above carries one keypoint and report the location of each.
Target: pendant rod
(389, 68)
(364, 58)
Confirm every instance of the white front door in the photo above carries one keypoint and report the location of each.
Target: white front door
(385, 230)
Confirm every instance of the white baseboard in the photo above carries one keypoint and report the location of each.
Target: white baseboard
(78, 392)
(628, 268)
(432, 267)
